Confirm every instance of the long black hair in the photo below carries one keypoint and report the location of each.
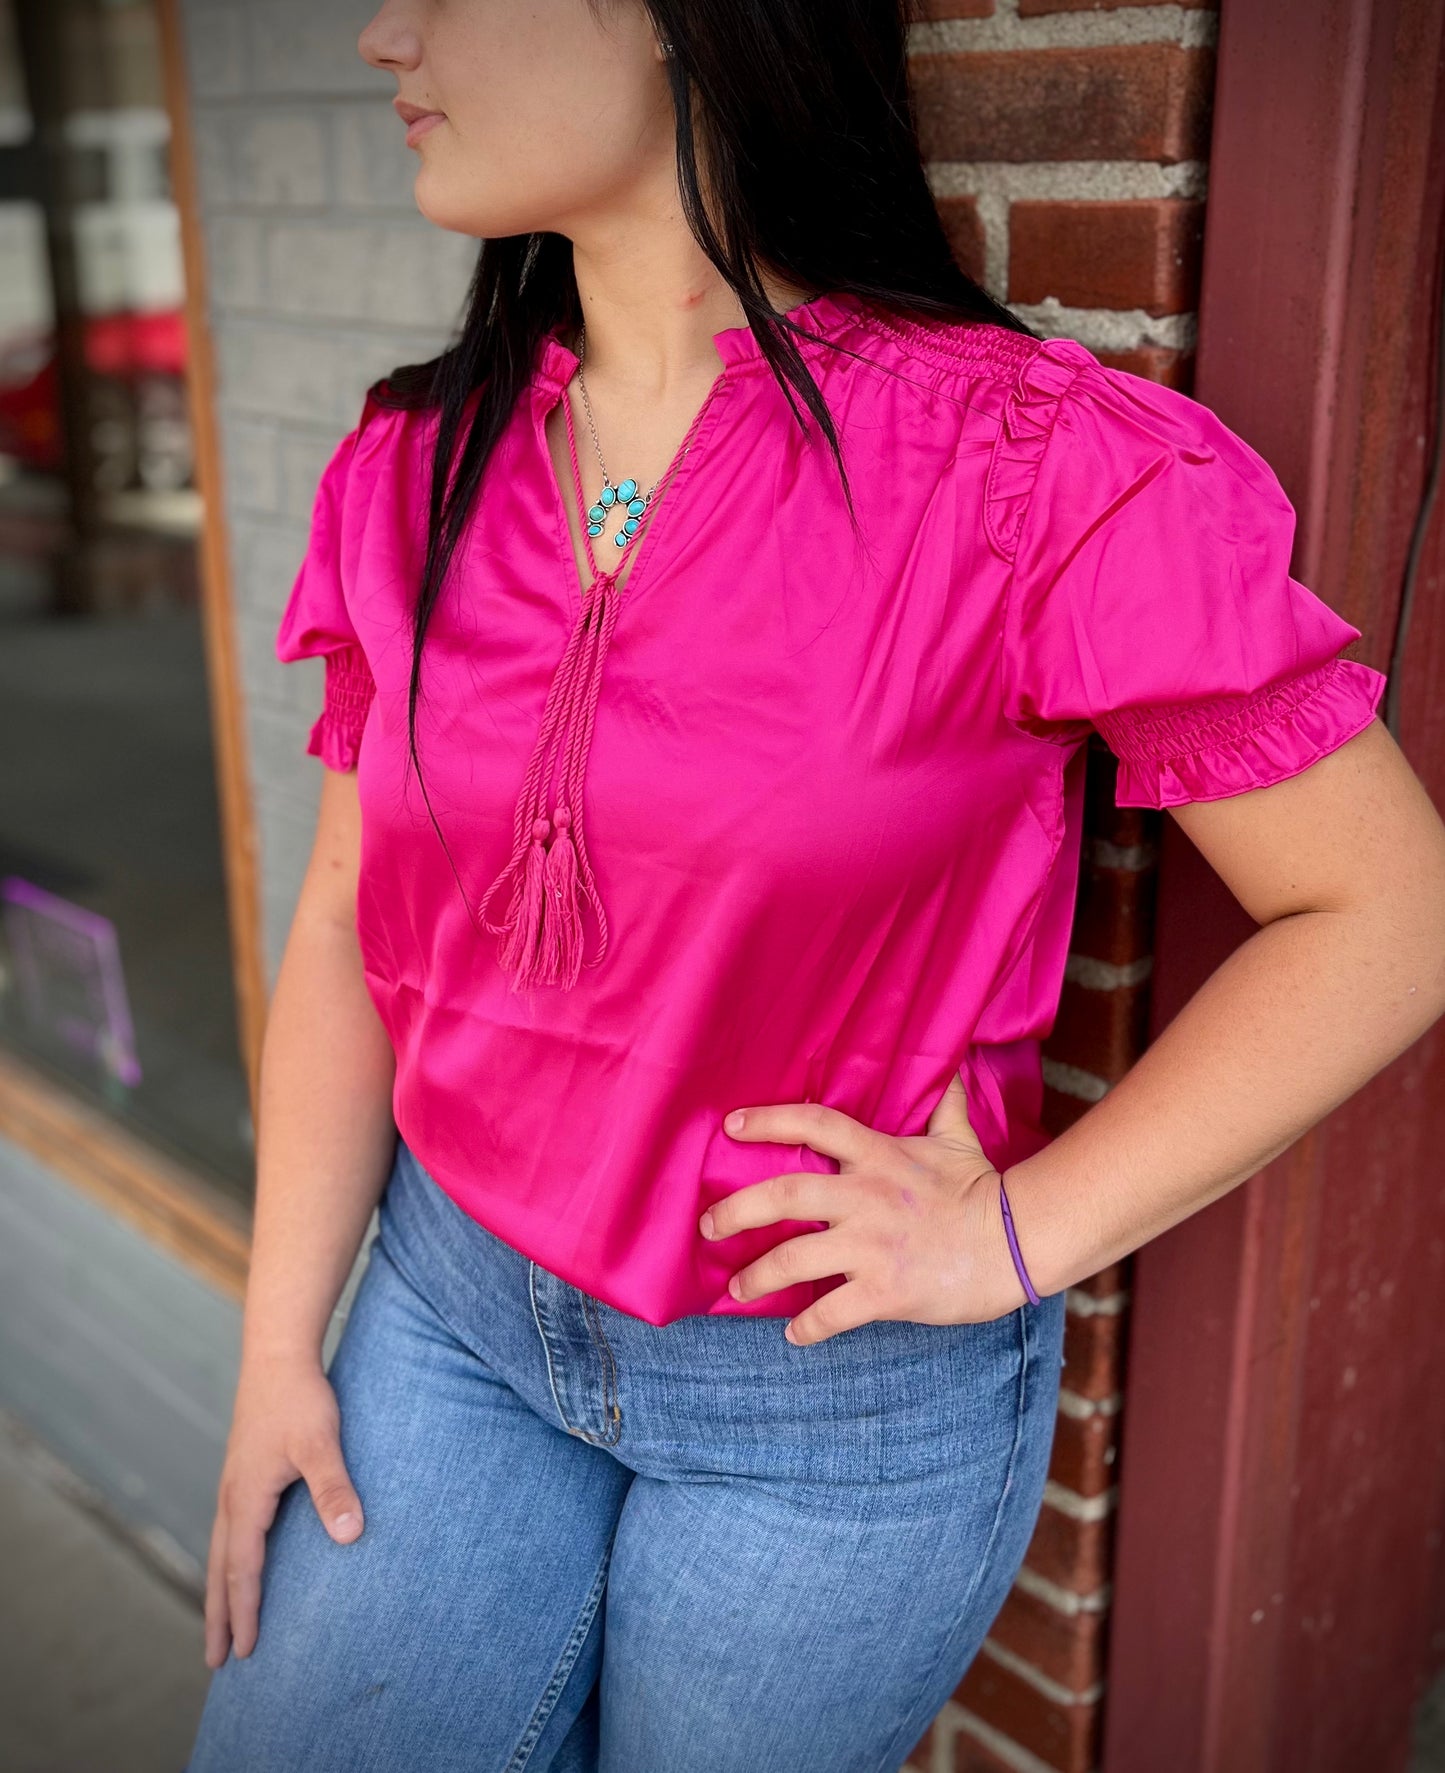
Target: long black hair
(798, 117)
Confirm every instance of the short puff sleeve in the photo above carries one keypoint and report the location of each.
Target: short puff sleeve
(317, 622)
(1151, 597)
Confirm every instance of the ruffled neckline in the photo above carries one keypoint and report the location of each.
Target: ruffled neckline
(827, 314)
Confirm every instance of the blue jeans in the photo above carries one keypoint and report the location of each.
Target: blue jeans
(593, 1545)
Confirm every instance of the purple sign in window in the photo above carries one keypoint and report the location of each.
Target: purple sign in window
(69, 976)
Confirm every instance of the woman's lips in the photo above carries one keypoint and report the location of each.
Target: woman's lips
(415, 131)
(417, 121)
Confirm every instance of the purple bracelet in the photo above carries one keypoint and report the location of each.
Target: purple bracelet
(1013, 1243)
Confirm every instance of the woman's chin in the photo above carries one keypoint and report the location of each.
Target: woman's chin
(445, 205)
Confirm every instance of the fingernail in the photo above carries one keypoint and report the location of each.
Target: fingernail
(734, 1121)
(788, 1332)
(345, 1523)
(704, 1225)
(735, 1287)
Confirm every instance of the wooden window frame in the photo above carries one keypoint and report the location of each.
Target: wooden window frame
(170, 1204)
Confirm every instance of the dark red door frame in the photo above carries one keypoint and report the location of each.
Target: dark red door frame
(1282, 1470)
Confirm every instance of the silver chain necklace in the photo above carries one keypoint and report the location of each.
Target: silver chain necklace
(627, 494)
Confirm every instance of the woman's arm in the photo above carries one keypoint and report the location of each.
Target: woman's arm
(325, 1135)
(324, 1148)
(1343, 866)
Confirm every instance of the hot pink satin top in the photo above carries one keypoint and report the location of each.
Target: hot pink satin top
(827, 788)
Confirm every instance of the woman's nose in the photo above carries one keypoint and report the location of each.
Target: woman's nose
(392, 39)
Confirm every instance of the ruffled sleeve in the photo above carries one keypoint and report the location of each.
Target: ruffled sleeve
(317, 621)
(1151, 598)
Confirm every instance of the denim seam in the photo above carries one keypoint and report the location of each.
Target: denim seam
(411, 1279)
(565, 1663)
(895, 1745)
(546, 1347)
(611, 1408)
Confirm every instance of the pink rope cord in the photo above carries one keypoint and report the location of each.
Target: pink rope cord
(542, 937)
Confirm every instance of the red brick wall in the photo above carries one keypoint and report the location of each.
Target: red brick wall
(1067, 143)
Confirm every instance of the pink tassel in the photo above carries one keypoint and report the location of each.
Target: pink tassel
(561, 953)
(521, 946)
(542, 935)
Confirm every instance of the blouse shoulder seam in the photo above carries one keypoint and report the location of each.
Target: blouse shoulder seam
(971, 355)
(960, 345)
(1026, 426)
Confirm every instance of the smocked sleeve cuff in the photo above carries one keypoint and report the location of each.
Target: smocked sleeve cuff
(1207, 750)
(336, 736)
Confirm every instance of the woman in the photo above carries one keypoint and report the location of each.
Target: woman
(706, 689)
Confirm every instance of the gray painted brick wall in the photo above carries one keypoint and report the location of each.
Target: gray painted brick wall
(322, 276)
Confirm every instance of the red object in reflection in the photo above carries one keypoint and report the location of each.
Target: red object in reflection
(122, 347)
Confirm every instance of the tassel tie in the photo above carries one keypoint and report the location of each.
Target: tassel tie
(542, 932)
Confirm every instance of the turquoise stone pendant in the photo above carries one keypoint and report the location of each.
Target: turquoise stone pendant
(632, 501)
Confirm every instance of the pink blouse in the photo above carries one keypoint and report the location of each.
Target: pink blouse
(801, 818)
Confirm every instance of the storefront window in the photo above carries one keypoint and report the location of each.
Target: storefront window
(115, 963)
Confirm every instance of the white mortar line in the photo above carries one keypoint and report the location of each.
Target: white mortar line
(1070, 1080)
(1086, 1305)
(1077, 1507)
(1133, 858)
(1079, 1408)
(1106, 975)
(1093, 181)
(1186, 26)
(1110, 329)
(965, 1723)
(1064, 1600)
(1038, 1680)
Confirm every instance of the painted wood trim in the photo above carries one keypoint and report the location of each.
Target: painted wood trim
(1280, 1464)
(227, 703)
(190, 1218)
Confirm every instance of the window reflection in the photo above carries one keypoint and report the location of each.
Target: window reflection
(115, 969)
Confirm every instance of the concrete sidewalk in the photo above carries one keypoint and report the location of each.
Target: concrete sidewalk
(101, 1666)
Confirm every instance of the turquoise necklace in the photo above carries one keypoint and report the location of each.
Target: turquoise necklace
(633, 501)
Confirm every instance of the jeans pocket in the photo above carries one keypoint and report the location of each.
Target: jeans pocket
(952, 1395)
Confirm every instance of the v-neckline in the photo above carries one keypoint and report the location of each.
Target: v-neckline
(548, 876)
(737, 351)
(673, 477)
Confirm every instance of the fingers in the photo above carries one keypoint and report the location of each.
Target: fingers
(814, 1255)
(337, 1503)
(237, 1553)
(245, 1554)
(218, 1619)
(950, 1114)
(825, 1130)
(798, 1194)
(843, 1308)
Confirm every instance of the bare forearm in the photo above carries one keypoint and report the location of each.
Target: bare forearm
(325, 1138)
(1295, 1021)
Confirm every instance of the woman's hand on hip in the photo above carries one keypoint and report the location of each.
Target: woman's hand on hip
(914, 1224)
(286, 1425)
